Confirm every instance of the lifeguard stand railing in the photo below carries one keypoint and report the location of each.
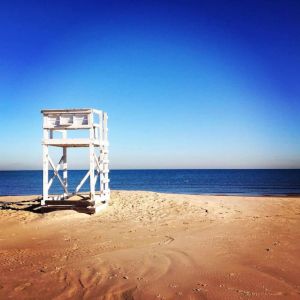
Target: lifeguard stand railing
(60, 122)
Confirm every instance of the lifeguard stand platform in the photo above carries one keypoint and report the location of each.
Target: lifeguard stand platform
(60, 122)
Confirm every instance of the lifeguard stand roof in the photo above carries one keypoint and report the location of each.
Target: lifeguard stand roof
(69, 110)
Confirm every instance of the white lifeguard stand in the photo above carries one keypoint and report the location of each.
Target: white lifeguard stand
(61, 121)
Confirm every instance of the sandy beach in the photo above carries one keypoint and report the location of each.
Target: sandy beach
(148, 245)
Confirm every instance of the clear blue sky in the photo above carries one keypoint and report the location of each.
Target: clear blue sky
(186, 84)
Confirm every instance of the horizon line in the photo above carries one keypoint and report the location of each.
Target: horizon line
(155, 169)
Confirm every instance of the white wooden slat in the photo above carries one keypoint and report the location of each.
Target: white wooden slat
(65, 167)
(54, 175)
(58, 176)
(96, 177)
(97, 162)
(82, 181)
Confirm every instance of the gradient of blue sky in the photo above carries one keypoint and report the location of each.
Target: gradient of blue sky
(187, 84)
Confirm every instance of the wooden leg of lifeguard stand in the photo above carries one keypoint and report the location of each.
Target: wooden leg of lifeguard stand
(92, 173)
(65, 170)
(45, 175)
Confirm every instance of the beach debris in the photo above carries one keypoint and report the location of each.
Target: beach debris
(29, 205)
(43, 270)
(205, 210)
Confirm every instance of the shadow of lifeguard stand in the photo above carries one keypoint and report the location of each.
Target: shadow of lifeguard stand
(61, 122)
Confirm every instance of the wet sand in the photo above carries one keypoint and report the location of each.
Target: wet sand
(154, 246)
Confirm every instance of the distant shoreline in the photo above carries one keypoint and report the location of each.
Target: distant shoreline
(167, 169)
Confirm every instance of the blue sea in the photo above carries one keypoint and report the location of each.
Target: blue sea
(214, 182)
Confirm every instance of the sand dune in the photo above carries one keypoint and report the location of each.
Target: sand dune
(154, 246)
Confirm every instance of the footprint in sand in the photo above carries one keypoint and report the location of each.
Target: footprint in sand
(168, 240)
(202, 284)
(22, 286)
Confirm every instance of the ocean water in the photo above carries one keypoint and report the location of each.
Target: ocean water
(215, 182)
